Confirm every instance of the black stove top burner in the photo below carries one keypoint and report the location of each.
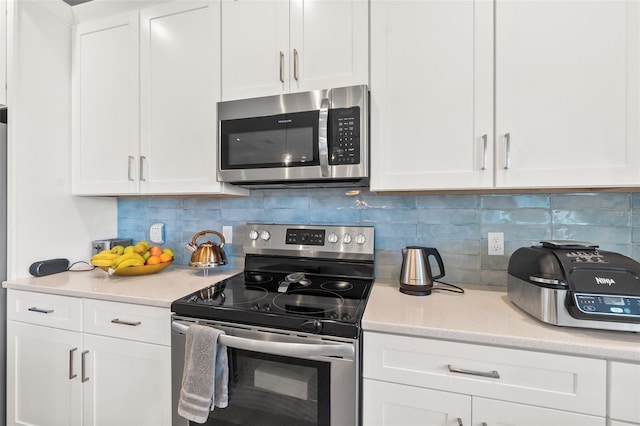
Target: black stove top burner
(308, 303)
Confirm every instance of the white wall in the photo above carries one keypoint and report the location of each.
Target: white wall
(44, 220)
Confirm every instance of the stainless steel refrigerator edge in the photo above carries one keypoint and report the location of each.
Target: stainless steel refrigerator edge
(3, 263)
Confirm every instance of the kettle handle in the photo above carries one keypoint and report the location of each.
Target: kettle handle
(432, 251)
(201, 233)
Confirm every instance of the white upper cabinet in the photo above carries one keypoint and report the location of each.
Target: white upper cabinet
(566, 104)
(431, 94)
(105, 106)
(567, 92)
(281, 46)
(180, 85)
(145, 102)
(3, 52)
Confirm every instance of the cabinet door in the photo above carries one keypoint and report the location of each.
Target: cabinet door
(180, 83)
(391, 404)
(255, 48)
(329, 44)
(431, 94)
(493, 412)
(105, 106)
(3, 52)
(129, 383)
(43, 375)
(567, 92)
(624, 391)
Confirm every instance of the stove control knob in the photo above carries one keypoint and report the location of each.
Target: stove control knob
(254, 235)
(265, 235)
(332, 238)
(346, 239)
(360, 239)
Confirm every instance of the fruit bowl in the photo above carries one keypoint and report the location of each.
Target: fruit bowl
(139, 270)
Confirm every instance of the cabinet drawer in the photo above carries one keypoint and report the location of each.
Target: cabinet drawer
(549, 380)
(123, 320)
(45, 309)
(624, 391)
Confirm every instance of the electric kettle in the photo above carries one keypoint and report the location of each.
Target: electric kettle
(416, 277)
(206, 255)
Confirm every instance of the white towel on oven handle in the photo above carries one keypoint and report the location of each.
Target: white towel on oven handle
(205, 376)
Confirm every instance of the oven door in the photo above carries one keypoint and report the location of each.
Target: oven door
(277, 378)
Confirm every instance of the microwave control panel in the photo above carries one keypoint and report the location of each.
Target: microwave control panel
(345, 137)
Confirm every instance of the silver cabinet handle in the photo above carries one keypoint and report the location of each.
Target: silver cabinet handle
(142, 161)
(460, 422)
(484, 152)
(295, 64)
(507, 163)
(130, 168)
(484, 424)
(493, 374)
(323, 145)
(119, 321)
(286, 349)
(281, 67)
(84, 365)
(71, 375)
(40, 311)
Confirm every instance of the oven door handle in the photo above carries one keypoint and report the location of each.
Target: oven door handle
(278, 348)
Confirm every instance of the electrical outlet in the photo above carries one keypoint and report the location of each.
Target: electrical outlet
(495, 243)
(227, 233)
(156, 233)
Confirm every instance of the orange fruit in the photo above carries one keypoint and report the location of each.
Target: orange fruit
(155, 251)
(165, 257)
(153, 260)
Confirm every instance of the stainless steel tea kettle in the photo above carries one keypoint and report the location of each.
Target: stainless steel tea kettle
(207, 255)
(416, 277)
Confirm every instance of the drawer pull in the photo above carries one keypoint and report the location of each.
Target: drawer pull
(84, 365)
(484, 424)
(41, 311)
(460, 422)
(493, 374)
(71, 375)
(132, 324)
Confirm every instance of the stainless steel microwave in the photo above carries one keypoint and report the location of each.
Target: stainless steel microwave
(318, 138)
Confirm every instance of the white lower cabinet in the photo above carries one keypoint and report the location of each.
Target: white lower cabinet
(110, 366)
(624, 393)
(416, 381)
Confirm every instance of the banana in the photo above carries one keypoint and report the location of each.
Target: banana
(109, 256)
(101, 262)
(125, 264)
(145, 244)
(126, 257)
(119, 250)
(128, 249)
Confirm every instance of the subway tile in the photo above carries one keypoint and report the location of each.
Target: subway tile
(286, 215)
(591, 201)
(398, 230)
(519, 232)
(250, 203)
(398, 202)
(336, 217)
(517, 201)
(592, 217)
(454, 232)
(301, 203)
(449, 216)
(239, 214)
(201, 203)
(594, 234)
(389, 215)
(165, 203)
(516, 217)
(459, 201)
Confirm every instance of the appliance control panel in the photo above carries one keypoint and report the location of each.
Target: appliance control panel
(602, 304)
(345, 140)
(331, 241)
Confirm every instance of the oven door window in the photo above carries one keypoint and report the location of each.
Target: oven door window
(274, 390)
(284, 140)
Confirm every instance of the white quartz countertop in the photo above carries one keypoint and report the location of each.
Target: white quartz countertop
(159, 289)
(484, 315)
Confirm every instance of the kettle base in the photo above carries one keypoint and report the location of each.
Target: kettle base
(415, 292)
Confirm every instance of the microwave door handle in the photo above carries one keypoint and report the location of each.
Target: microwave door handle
(323, 144)
(278, 348)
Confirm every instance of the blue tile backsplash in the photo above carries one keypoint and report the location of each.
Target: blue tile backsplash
(457, 225)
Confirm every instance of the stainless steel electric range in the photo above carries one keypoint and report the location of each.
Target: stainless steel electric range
(292, 323)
